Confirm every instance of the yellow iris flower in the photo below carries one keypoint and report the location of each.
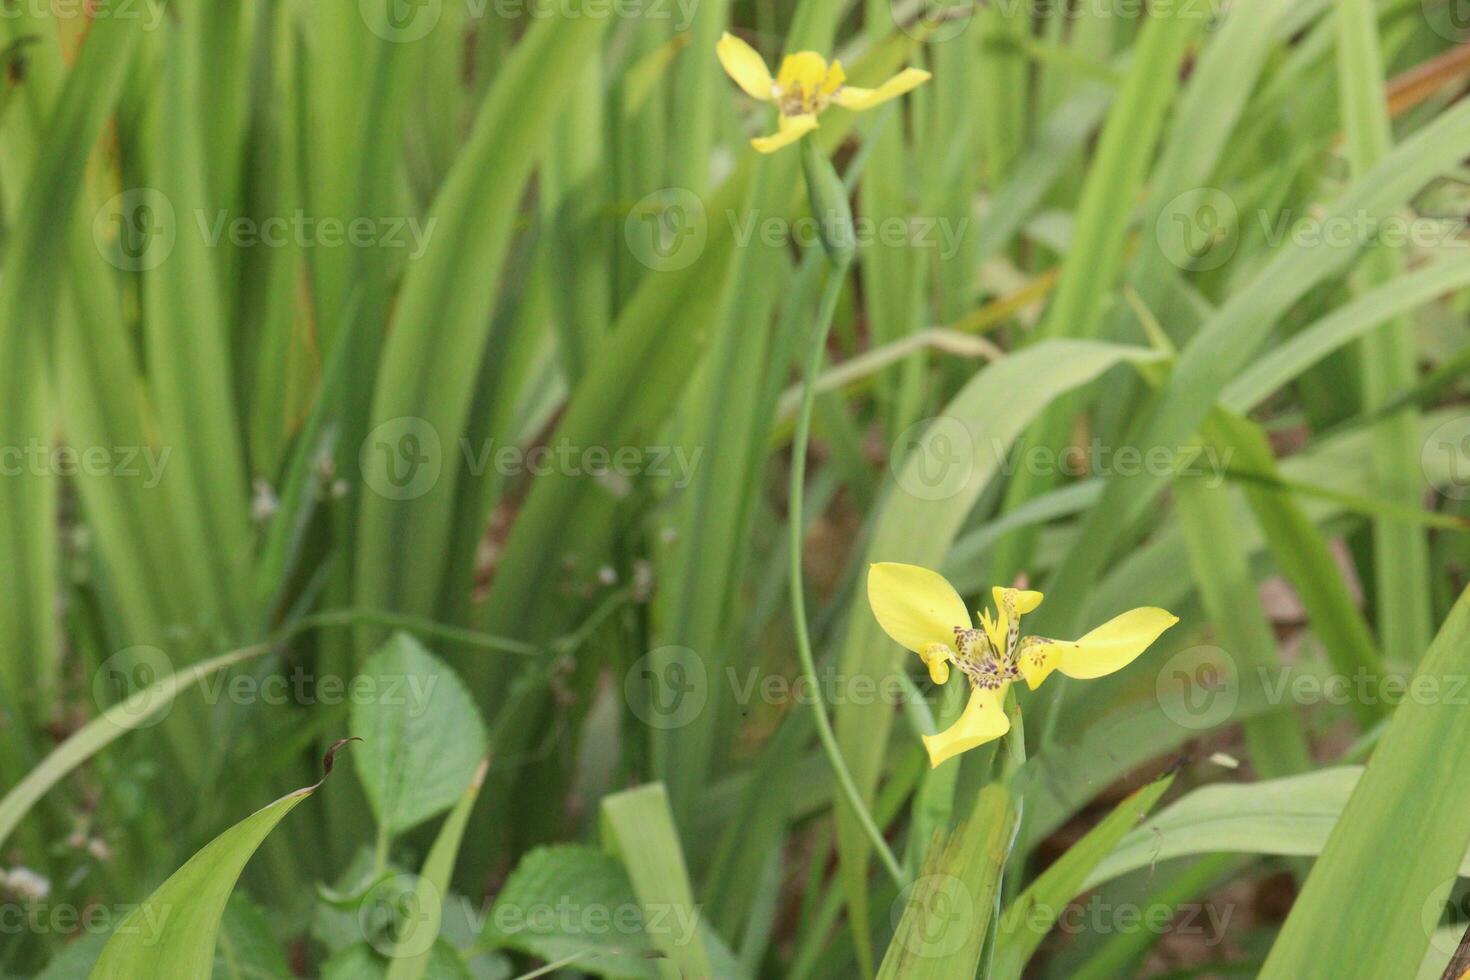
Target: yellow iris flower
(803, 87)
(922, 612)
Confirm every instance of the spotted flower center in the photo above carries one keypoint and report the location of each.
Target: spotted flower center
(796, 100)
(977, 657)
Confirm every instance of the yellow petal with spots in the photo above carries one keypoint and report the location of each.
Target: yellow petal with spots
(792, 128)
(1026, 600)
(984, 720)
(1115, 644)
(915, 606)
(742, 63)
(860, 99)
(1037, 658)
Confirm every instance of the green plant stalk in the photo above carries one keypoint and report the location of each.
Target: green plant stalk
(839, 254)
(830, 293)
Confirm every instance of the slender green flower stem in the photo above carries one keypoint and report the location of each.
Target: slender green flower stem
(1010, 765)
(833, 288)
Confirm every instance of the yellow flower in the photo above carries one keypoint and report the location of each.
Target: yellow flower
(924, 613)
(803, 87)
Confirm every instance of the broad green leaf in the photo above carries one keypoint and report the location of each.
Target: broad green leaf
(172, 933)
(638, 827)
(422, 734)
(600, 920)
(947, 910)
(1414, 793)
(1292, 816)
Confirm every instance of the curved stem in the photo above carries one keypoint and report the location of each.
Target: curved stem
(830, 293)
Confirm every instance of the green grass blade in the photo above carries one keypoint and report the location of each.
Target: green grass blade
(1031, 915)
(411, 956)
(1115, 178)
(34, 256)
(1388, 361)
(1226, 342)
(172, 933)
(189, 358)
(1304, 557)
(431, 358)
(1276, 741)
(1414, 761)
(638, 827)
(1288, 817)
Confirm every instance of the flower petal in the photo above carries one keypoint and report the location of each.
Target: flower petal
(936, 657)
(1010, 606)
(805, 68)
(835, 79)
(792, 128)
(1026, 599)
(915, 606)
(1115, 644)
(1037, 658)
(983, 721)
(860, 99)
(742, 63)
